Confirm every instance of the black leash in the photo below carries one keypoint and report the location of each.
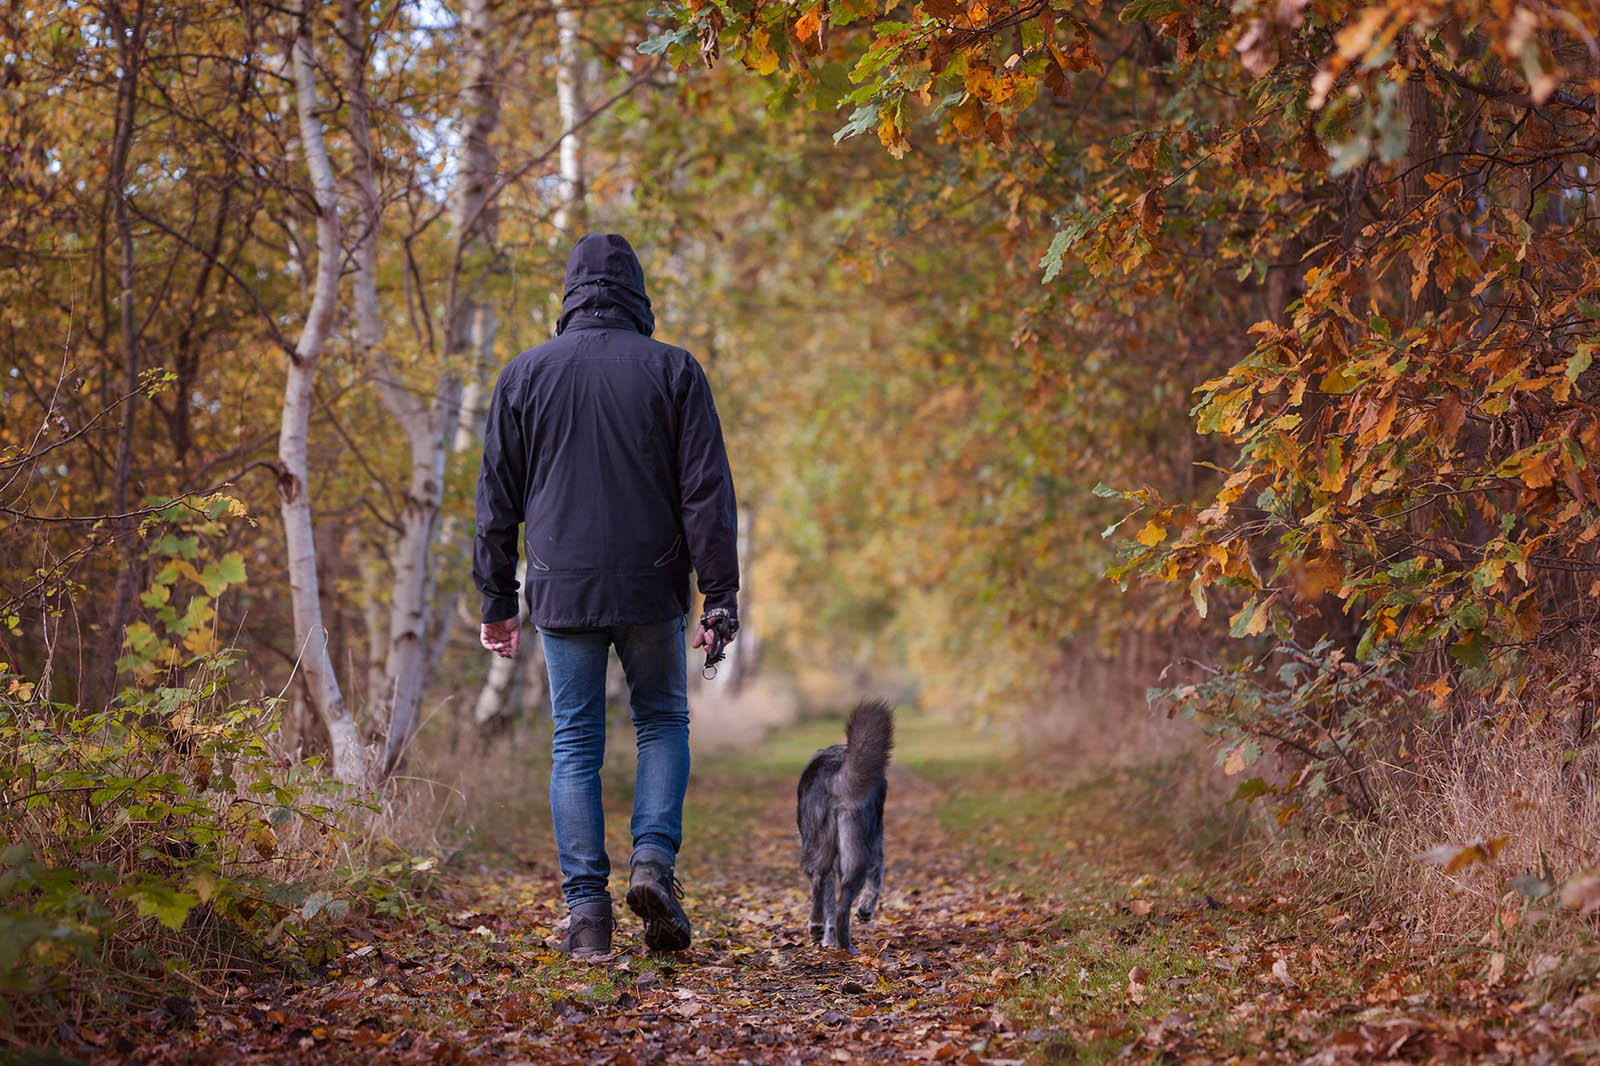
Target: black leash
(723, 624)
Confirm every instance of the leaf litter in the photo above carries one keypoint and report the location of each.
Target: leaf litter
(1033, 924)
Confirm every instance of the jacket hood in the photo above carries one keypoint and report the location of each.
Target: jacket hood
(605, 286)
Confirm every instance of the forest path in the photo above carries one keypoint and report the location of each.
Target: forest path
(1027, 917)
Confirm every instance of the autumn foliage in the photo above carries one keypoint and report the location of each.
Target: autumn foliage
(1247, 346)
(1364, 238)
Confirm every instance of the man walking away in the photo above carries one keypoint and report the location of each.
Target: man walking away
(606, 446)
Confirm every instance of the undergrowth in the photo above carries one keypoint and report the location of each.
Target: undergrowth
(159, 847)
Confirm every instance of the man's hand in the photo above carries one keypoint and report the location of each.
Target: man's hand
(723, 621)
(702, 637)
(501, 637)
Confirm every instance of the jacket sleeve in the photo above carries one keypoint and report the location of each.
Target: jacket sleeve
(501, 496)
(710, 512)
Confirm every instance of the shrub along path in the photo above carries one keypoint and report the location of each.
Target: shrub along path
(1023, 921)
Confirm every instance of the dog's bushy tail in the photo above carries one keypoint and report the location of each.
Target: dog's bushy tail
(868, 736)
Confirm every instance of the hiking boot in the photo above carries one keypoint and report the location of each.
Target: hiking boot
(653, 894)
(589, 929)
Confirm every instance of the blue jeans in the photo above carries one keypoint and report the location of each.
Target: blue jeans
(653, 661)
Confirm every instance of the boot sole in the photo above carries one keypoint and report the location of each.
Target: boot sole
(664, 930)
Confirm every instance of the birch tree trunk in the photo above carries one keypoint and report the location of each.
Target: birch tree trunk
(472, 322)
(495, 699)
(570, 216)
(429, 428)
(311, 635)
(423, 423)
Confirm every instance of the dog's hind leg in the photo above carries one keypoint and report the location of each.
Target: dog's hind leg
(822, 907)
(854, 860)
(869, 899)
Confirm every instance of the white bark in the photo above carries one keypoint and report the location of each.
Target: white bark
(472, 323)
(425, 425)
(569, 217)
(474, 404)
(374, 583)
(430, 428)
(311, 635)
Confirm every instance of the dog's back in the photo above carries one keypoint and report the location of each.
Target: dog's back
(839, 809)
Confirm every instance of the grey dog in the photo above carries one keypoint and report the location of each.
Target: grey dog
(840, 810)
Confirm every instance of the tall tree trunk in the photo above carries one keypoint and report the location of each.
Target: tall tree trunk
(311, 635)
(473, 320)
(570, 216)
(465, 321)
(494, 704)
(130, 41)
(424, 424)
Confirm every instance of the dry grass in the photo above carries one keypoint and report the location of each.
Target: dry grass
(1530, 789)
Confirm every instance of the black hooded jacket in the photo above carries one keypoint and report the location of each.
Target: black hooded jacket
(605, 444)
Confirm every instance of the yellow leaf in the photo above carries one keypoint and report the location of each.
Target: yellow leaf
(200, 640)
(1537, 473)
(1457, 857)
(892, 138)
(1153, 533)
(989, 84)
(263, 841)
(966, 118)
(1385, 626)
(759, 56)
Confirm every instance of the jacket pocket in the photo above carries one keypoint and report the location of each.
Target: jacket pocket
(670, 554)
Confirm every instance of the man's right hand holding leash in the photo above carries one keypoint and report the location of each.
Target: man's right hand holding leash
(717, 629)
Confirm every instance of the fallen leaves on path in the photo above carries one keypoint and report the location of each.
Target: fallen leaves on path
(996, 945)
(486, 984)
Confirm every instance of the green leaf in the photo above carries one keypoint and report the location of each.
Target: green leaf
(1470, 651)
(1580, 362)
(1148, 10)
(169, 907)
(314, 903)
(1065, 239)
(1348, 155)
(864, 119)
(658, 45)
(1241, 621)
(1589, 309)
(1251, 789)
